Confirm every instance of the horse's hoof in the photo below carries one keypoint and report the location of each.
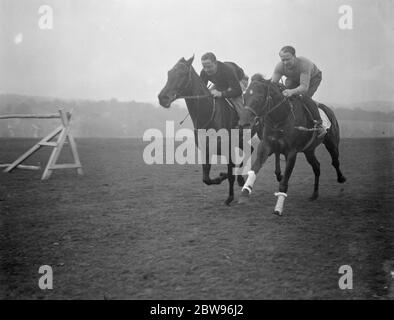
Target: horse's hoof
(314, 197)
(341, 179)
(228, 201)
(223, 175)
(277, 213)
(279, 178)
(244, 198)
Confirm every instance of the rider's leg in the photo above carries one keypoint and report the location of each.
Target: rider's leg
(313, 109)
(312, 105)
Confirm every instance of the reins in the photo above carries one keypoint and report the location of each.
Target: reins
(266, 105)
(196, 97)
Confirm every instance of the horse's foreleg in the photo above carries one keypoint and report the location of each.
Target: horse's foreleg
(312, 160)
(290, 162)
(283, 185)
(263, 152)
(240, 178)
(206, 168)
(278, 172)
(231, 179)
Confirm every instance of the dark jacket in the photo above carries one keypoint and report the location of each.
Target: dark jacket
(226, 79)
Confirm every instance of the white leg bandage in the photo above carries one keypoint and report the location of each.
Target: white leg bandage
(281, 200)
(250, 181)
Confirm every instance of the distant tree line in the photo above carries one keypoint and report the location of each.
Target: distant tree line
(113, 118)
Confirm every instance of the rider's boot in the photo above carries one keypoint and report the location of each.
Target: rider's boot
(321, 131)
(314, 109)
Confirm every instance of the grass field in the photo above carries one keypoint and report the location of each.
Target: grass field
(127, 230)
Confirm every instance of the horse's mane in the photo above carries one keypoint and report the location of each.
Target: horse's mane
(258, 77)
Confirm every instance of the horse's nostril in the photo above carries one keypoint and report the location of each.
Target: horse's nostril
(163, 98)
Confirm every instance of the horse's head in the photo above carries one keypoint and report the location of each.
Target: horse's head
(178, 80)
(257, 100)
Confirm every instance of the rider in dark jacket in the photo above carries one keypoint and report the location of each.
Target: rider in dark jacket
(228, 79)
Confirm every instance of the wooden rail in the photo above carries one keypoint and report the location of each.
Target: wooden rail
(63, 136)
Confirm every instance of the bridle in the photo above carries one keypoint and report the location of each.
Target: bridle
(259, 117)
(196, 97)
(188, 85)
(267, 106)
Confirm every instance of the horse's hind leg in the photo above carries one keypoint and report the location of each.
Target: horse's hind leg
(332, 148)
(206, 168)
(231, 180)
(311, 158)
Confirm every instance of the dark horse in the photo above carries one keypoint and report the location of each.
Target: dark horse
(205, 111)
(287, 129)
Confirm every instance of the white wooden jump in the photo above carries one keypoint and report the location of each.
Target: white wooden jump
(63, 133)
(21, 166)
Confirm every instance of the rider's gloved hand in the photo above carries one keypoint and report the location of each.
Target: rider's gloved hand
(216, 93)
(288, 93)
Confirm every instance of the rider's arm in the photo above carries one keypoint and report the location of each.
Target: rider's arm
(278, 73)
(305, 79)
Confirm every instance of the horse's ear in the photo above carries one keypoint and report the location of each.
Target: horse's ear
(190, 61)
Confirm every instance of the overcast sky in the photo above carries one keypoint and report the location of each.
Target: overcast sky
(122, 49)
